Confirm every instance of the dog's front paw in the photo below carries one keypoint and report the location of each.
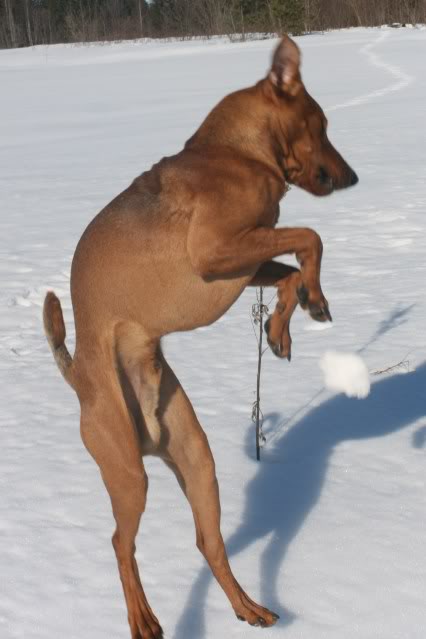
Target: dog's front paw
(278, 338)
(316, 305)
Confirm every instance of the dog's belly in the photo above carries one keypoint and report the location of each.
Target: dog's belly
(201, 303)
(182, 301)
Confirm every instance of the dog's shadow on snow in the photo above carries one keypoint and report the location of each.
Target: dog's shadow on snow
(290, 478)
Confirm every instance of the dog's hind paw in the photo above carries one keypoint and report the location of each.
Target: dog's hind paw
(259, 621)
(254, 614)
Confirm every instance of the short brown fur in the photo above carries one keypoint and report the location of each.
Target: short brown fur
(171, 253)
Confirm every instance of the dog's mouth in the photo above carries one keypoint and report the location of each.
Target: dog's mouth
(325, 181)
(320, 184)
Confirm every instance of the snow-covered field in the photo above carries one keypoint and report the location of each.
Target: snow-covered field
(329, 529)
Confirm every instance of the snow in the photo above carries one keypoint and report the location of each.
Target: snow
(345, 373)
(328, 530)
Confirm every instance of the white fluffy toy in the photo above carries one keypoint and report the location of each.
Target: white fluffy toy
(345, 373)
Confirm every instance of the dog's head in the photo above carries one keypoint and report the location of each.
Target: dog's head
(308, 158)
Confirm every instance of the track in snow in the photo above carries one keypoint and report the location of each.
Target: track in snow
(401, 79)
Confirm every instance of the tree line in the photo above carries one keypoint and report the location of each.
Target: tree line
(31, 22)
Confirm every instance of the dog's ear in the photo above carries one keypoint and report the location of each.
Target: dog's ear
(285, 70)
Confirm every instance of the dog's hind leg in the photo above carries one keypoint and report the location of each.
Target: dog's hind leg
(139, 366)
(188, 453)
(109, 435)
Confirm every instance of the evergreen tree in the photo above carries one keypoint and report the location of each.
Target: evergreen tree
(287, 15)
(161, 14)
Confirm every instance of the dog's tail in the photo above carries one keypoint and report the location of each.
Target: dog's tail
(54, 327)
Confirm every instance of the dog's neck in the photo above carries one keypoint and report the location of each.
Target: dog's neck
(246, 127)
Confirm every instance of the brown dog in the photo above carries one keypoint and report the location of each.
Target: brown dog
(171, 253)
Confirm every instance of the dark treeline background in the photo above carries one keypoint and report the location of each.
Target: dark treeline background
(30, 22)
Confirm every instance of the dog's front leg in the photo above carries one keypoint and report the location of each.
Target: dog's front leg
(287, 280)
(272, 274)
(216, 252)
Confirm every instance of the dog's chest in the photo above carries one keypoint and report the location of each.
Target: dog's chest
(270, 217)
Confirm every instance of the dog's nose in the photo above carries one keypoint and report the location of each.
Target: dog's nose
(354, 178)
